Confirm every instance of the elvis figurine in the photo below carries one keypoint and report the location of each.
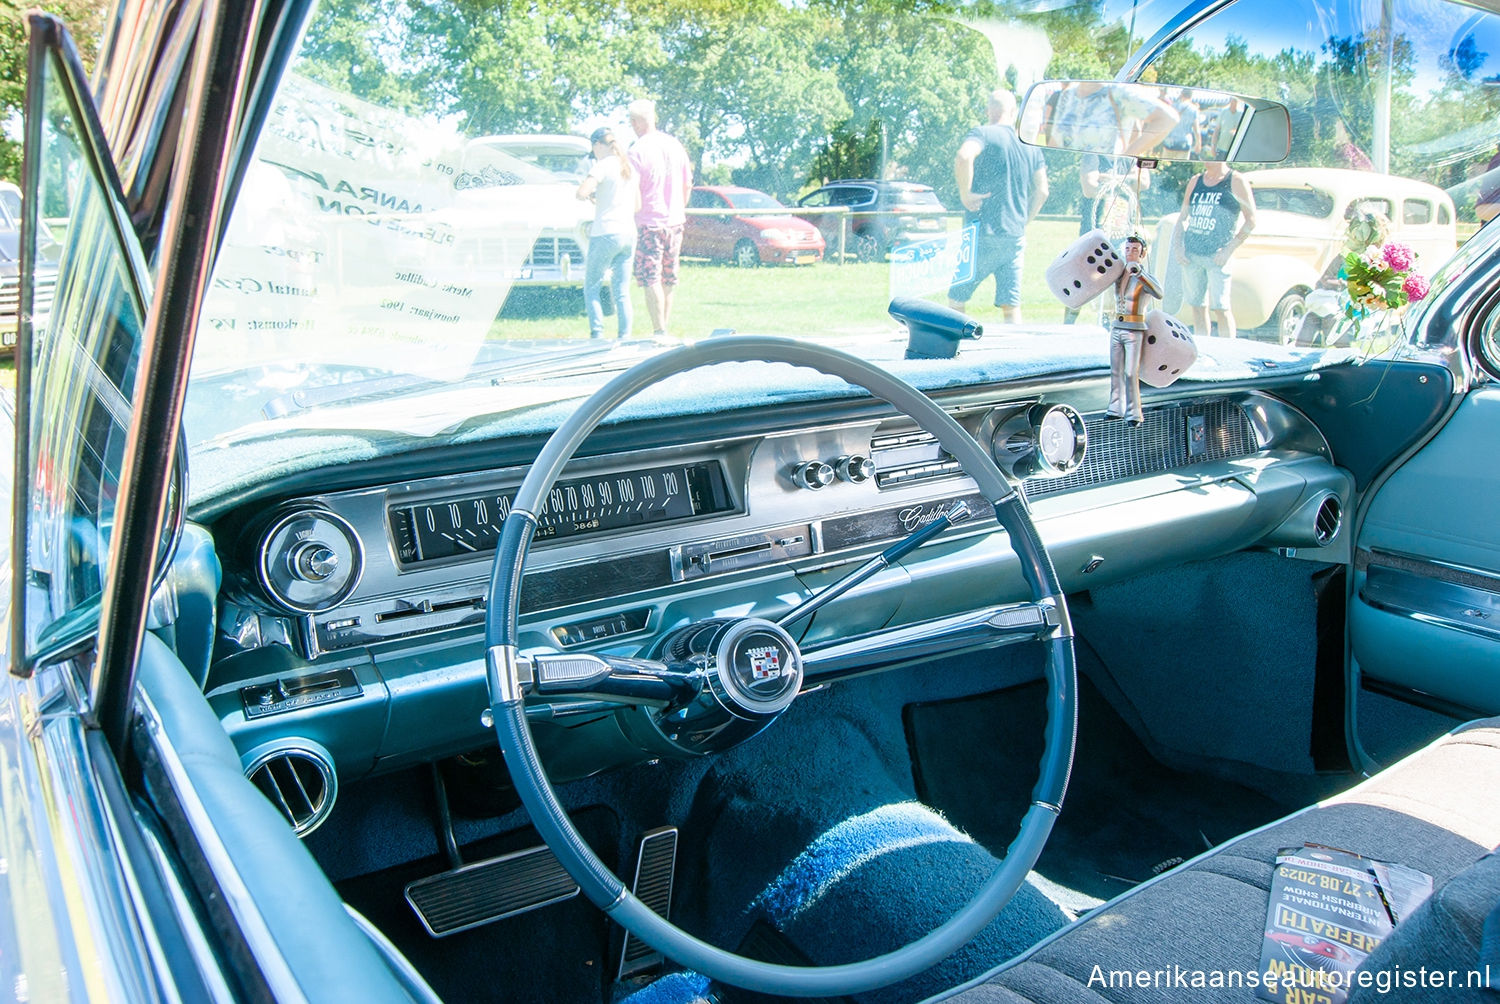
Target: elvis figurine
(1148, 347)
(1127, 331)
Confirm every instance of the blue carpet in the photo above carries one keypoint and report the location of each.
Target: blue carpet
(674, 988)
(815, 829)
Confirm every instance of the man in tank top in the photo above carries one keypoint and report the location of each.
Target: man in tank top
(1204, 239)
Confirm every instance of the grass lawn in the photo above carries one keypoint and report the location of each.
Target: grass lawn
(804, 301)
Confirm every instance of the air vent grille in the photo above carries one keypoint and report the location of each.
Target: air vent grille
(1326, 525)
(299, 782)
(1172, 436)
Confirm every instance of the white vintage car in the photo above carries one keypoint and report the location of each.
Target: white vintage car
(1301, 223)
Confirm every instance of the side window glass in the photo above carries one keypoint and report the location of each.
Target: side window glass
(817, 200)
(76, 369)
(1415, 211)
(1375, 204)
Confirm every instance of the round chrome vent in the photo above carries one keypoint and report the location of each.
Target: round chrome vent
(298, 779)
(310, 560)
(1326, 523)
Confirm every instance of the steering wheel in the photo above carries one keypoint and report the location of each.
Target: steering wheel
(755, 672)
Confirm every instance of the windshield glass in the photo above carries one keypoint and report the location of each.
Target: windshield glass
(752, 200)
(402, 265)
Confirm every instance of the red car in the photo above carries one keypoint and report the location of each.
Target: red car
(750, 240)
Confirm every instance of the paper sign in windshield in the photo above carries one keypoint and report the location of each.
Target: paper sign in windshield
(1329, 910)
(379, 242)
(928, 266)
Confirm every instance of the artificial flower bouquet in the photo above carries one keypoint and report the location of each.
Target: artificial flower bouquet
(1378, 275)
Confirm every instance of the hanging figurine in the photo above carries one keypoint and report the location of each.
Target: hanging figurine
(1153, 346)
(1127, 330)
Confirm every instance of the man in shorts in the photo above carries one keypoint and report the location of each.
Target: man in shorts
(666, 176)
(1204, 239)
(1002, 184)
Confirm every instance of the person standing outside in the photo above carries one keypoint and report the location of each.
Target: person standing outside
(666, 176)
(1204, 239)
(1002, 183)
(611, 184)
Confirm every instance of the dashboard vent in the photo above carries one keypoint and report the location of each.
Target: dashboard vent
(1326, 524)
(299, 781)
(1172, 436)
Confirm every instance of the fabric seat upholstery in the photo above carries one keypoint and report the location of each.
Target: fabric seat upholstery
(1434, 811)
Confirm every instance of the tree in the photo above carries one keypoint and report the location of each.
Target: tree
(85, 20)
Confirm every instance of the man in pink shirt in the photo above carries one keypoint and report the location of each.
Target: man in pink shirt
(665, 176)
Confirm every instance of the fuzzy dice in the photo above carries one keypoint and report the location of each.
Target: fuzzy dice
(1087, 268)
(1167, 351)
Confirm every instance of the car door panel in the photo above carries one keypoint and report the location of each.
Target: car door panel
(1425, 616)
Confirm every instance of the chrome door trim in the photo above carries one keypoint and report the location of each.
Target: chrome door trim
(272, 965)
(93, 899)
(189, 240)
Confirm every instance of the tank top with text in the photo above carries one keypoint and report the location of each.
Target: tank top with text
(1212, 213)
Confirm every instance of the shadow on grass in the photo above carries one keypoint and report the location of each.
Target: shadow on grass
(533, 302)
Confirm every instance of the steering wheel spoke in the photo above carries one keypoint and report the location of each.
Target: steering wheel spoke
(1005, 624)
(644, 682)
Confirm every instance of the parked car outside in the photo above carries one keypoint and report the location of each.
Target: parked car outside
(531, 178)
(762, 238)
(1301, 222)
(561, 153)
(882, 215)
(10, 284)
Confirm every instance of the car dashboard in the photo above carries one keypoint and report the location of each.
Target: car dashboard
(349, 636)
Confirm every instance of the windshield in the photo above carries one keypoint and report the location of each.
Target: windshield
(752, 200)
(402, 266)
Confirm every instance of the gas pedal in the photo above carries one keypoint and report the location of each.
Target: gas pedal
(487, 891)
(654, 867)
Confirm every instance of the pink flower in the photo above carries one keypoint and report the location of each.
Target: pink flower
(1415, 287)
(1399, 256)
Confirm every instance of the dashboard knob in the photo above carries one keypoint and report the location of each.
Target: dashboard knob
(314, 561)
(855, 469)
(812, 474)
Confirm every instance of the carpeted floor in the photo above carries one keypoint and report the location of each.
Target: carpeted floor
(809, 842)
(1125, 816)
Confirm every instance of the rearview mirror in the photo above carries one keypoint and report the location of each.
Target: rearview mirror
(1154, 122)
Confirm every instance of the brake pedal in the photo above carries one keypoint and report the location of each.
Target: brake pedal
(654, 867)
(466, 897)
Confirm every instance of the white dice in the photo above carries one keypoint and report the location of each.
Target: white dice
(1087, 268)
(1167, 351)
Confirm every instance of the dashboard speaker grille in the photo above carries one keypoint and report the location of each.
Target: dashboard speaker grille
(1172, 436)
(299, 782)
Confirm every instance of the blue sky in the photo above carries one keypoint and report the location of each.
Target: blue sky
(1269, 26)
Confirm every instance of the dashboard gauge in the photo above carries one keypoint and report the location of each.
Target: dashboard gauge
(470, 525)
(310, 560)
(1061, 439)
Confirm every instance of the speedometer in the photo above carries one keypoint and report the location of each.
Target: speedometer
(470, 525)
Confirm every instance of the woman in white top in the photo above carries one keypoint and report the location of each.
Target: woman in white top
(611, 184)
